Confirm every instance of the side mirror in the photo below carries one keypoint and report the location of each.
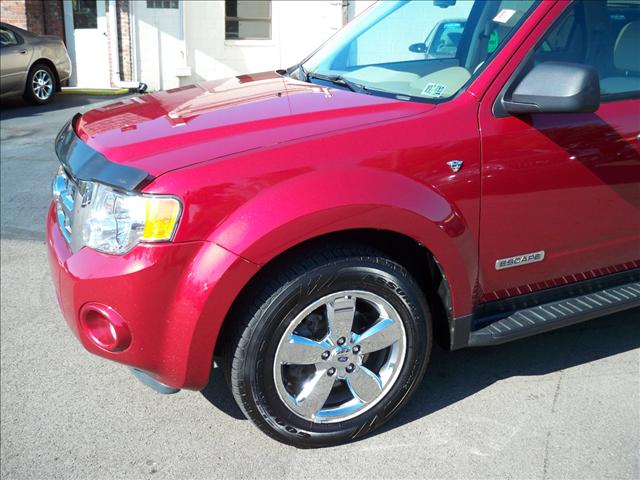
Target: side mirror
(418, 48)
(555, 87)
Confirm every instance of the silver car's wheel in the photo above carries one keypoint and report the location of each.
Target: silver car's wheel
(339, 356)
(42, 84)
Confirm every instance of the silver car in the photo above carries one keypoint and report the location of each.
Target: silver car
(31, 65)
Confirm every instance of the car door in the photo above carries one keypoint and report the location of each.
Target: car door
(563, 190)
(15, 56)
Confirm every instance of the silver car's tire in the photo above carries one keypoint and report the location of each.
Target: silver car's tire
(41, 84)
(330, 346)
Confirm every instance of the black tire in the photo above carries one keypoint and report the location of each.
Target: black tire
(272, 305)
(33, 94)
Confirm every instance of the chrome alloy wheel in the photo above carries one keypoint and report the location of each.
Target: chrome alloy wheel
(42, 84)
(340, 356)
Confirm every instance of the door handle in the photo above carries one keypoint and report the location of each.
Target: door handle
(22, 52)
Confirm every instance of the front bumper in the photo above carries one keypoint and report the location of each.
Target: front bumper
(173, 298)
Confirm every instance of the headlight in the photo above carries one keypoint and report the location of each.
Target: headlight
(109, 220)
(117, 221)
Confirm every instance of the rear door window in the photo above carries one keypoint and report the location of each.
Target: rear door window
(8, 38)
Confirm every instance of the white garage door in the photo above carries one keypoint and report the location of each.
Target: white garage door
(86, 35)
(159, 42)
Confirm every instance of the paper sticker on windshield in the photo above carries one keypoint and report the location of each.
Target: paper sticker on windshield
(433, 90)
(504, 15)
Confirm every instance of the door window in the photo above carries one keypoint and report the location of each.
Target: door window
(605, 35)
(85, 14)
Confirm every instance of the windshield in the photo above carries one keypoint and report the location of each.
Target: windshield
(424, 50)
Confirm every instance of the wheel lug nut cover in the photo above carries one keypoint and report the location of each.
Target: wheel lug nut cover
(331, 371)
(356, 349)
(341, 341)
(325, 355)
(350, 368)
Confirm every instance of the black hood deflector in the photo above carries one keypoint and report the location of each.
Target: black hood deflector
(84, 163)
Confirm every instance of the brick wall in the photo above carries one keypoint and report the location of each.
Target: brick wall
(124, 40)
(13, 12)
(35, 16)
(53, 18)
(42, 17)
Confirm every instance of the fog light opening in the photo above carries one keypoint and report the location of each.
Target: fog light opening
(105, 327)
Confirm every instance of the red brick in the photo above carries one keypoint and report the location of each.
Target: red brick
(42, 17)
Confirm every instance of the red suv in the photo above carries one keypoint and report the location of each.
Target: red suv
(313, 230)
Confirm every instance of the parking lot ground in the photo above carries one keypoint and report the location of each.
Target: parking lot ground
(564, 405)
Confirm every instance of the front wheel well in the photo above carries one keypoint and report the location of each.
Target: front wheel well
(406, 251)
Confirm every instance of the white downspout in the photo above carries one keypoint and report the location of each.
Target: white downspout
(113, 46)
(183, 69)
(69, 35)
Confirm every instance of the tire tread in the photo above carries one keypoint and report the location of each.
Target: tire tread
(244, 319)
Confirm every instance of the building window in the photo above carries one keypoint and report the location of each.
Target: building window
(162, 3)
(85, 14)
(248, 19)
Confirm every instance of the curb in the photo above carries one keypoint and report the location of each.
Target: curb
(93, 91)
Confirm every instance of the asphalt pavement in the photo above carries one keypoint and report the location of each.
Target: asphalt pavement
(564, 405)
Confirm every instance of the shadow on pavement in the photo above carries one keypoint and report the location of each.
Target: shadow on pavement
(17, 107)
(219, 395)
(454, 376)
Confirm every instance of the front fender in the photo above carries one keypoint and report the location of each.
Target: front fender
(322, 202)
(390, 176)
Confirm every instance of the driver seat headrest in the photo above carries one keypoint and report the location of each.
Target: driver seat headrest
(625, 52)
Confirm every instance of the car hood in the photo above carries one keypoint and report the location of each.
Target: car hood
(183, 126)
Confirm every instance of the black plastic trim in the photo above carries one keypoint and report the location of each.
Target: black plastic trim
(491, 313)
(558, 314)
(618, 97)
(498, 109)
(555, 87)
(460, 330)
(84, 163)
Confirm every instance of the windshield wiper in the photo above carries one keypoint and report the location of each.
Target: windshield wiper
(338, 80)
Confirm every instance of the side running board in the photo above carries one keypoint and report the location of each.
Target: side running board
(557, 314)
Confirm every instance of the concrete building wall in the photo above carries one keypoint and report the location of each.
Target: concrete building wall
(356, 7)
(298, 27)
